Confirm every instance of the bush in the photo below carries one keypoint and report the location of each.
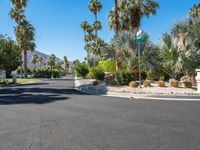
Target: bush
(47, 72)
(95, 83)
(125, 77)
(81, 69)
(107, 65)
(97, 73)
(133, 84)
(173, 83)
(110, 80)
(147, 83)
(188, 84)
(161, 83)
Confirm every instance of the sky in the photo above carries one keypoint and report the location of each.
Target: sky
(57, 23)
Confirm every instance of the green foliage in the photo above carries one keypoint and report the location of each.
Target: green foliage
(107, 65)
(133, 84)
(81, 69)
(125, 77)
(161, 83)
(96, 73)
(147, 83)
(10, 55)
(47, 72)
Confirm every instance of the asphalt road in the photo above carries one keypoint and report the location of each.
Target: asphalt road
(51, 115)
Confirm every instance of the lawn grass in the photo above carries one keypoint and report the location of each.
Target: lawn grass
(20, 81)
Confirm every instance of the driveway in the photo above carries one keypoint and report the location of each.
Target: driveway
(51, 115)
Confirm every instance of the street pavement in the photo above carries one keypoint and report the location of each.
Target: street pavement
(51, 115)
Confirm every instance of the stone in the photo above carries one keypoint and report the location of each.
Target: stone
(198, 80)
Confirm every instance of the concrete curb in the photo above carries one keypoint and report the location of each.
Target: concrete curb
(139, 96)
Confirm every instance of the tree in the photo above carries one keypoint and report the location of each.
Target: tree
(130, 12)
(24, 31)
(66, 65)
(10, 55)
(195, 11)
(52, 63)
(41, 61)
(34, 59)
(95, 7)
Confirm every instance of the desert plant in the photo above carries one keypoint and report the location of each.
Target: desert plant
(174, 83)
(161, 83)
(187, 84)
(95, 83)
(133, 84)
(125, 77)
(110, 80)
(96, 73)
(147, 83)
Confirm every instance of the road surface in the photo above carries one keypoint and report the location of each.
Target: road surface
(51, 115)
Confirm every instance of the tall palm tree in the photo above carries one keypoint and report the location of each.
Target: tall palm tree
(52, 63)
(85, 25)
(140, 8)
(95, 6)
(34, 60)
(195, 11)
(66, 65)
(24, 31)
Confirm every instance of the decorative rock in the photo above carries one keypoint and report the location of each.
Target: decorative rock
(198, 80)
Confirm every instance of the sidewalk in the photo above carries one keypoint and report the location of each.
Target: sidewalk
(164, 93)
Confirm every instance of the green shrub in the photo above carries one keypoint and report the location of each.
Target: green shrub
(47, 72)
(95, 83)
(147, 83)
(81, 69)
(187, 84)
(161, 83)
(96, 73)
(133, 84)
(107, 65)
(174, 83)
(125, 77)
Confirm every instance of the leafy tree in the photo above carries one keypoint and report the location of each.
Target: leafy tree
(10, 55)
(81, 69)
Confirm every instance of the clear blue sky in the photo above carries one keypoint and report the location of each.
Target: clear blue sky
(57, 23)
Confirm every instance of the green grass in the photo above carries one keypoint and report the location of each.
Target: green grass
(21, 81)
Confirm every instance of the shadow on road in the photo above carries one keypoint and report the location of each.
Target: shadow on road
(43, 95)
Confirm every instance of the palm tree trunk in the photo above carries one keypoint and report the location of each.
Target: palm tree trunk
(96, 32)
(116, 31)
(136, 18)
(25, 63)
(116, 17)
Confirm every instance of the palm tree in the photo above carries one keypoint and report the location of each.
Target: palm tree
(195, 11)
(41, 61)
(34, 60)
(85, 25)
(66, 65)
(140, 8)
(95, 6)
(24, 31)
(52, 63)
